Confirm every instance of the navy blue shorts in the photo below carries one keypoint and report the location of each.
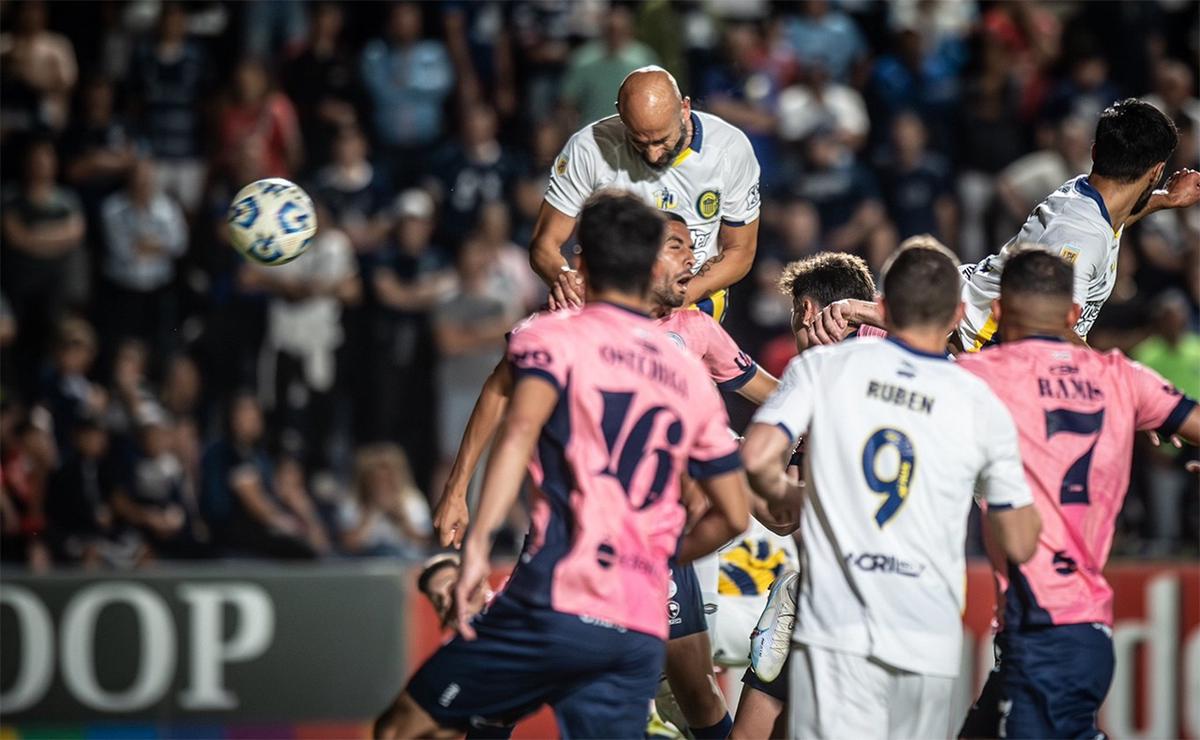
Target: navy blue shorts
(1048, 682)
(685, 604)
(777, 689)
(598, 678)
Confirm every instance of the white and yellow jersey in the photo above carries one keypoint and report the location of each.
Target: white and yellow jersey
(1073, 222)
(713, 181)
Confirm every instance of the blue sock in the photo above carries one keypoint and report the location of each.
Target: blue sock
(719, 731)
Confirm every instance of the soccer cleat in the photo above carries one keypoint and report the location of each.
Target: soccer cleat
(771, 639)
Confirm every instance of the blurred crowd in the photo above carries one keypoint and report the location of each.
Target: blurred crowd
(164, 398)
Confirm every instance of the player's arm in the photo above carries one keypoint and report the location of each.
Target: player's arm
(760, 387)
(765, 454)
(552, 229)
(534, 399)
(1012, 517)
(727, 516)
(731, 263)
(837, 319)
(1181, 191)
(451, 516)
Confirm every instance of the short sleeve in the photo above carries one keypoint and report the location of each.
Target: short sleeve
(535, 350)
(740, 201)
(790, 407)
(729, 366)
(715, 451)
(1084, 249)
(1001, 481)
(1158, 405)
(572, 176)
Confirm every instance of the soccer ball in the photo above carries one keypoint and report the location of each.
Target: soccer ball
(272, 221)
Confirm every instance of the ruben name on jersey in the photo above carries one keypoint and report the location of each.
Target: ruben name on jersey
(1072, 222)
(884, 520)
(713, 181)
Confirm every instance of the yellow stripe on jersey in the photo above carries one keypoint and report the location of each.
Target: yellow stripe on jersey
(986, 333)
(679, 158)
(714, 305)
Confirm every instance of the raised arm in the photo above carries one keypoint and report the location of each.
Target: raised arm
(727, 516)
(760, 387)
(451, 516)
(552, 230)
(738, 245)
(1181, 191)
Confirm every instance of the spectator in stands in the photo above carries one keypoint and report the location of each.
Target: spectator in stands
(160, 501)
(509, 278)
(129, 392)
(545, 142)
(79, 516)
(28, 457)
(1087, 90)
(1175, 92)
(916, 184)
(293, 493)
(920, 73)
(355, 191)
(820, 102)
(44, 263)
(237, 491)
(169, 77)
(540, 34)
(99, 148)
(408, 79)
(389, 516)
(471, 173)
(39, 72)
(146, 233)
(261, 118)
(597, 68)
(67, 392)
(304, 332)
(272, 28)
(323, 83)
(1026, 182)
(828, 37)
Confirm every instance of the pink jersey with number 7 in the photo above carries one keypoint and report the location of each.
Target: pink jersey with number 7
(635, 410)
(1077, 412)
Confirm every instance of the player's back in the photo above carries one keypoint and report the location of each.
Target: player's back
(1077, 412)
(634, 412)
(1072, 221)
(885, 520)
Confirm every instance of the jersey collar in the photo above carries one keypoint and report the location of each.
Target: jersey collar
(619, 307)
(913, 350)
(697, 141)
(1083, 187)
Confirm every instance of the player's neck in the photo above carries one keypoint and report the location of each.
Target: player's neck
(1119, 197)
(1015, 332)
(932, 341)
(625, 300)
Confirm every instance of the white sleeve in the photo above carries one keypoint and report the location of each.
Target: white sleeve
(1001, 481)
(790, 407)
(573, 174)
(1082, 247)
(741, 199)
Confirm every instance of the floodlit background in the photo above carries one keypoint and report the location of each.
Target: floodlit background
(176, 424)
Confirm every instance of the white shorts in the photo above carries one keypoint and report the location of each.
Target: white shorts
(837, 695)
(729, 628)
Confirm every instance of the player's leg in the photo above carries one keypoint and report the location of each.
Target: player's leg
(405, 718)
(836, 695)
(689, 665)
(760, 711)
(615, 700)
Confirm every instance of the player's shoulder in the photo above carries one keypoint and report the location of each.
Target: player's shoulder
(723, 135)
(544, 323)
(598, 136)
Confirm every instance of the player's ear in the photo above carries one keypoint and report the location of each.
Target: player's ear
(1073, 315)
(959, 312)
(1159, 170)
(685, 107)
(996, 309)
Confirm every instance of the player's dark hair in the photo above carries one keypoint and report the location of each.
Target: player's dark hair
(431, 568)
(921, 285)
(619, 240)
(1031, 270)
(1131, 138)
(828, 277)
(672, 216)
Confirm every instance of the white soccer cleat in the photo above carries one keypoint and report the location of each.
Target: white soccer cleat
(771, 639)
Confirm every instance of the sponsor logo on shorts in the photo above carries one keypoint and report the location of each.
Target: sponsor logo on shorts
(448, 694)
(871, 562)
(597, 622)
(708, 205)
(673, 613)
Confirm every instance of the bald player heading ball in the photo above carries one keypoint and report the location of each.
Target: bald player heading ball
(678, 160)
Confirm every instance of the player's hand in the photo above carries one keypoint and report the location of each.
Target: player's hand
(567, 291)
(1182, 189)
(1192, 466)
(451, 517)
(472, 579)
(1175, 439)
(832, 324)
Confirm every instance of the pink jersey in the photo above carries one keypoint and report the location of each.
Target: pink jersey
(1077, 412)
(634, 412)
(728, 366)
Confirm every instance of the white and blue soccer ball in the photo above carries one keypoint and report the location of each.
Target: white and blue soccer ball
(272, 221)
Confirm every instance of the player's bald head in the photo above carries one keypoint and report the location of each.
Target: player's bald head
(655, 114)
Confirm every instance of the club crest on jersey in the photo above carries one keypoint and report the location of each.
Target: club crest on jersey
(665, 200)
(708, 205)
(678, 340)
(1069, 253)
(560, 165)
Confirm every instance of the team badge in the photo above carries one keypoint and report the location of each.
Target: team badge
(560, 165)
(1069, 253)
(665, 200)
(708, 205)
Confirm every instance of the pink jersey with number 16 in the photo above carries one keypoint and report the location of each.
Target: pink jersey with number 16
(1077, 411)
(635, 410)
